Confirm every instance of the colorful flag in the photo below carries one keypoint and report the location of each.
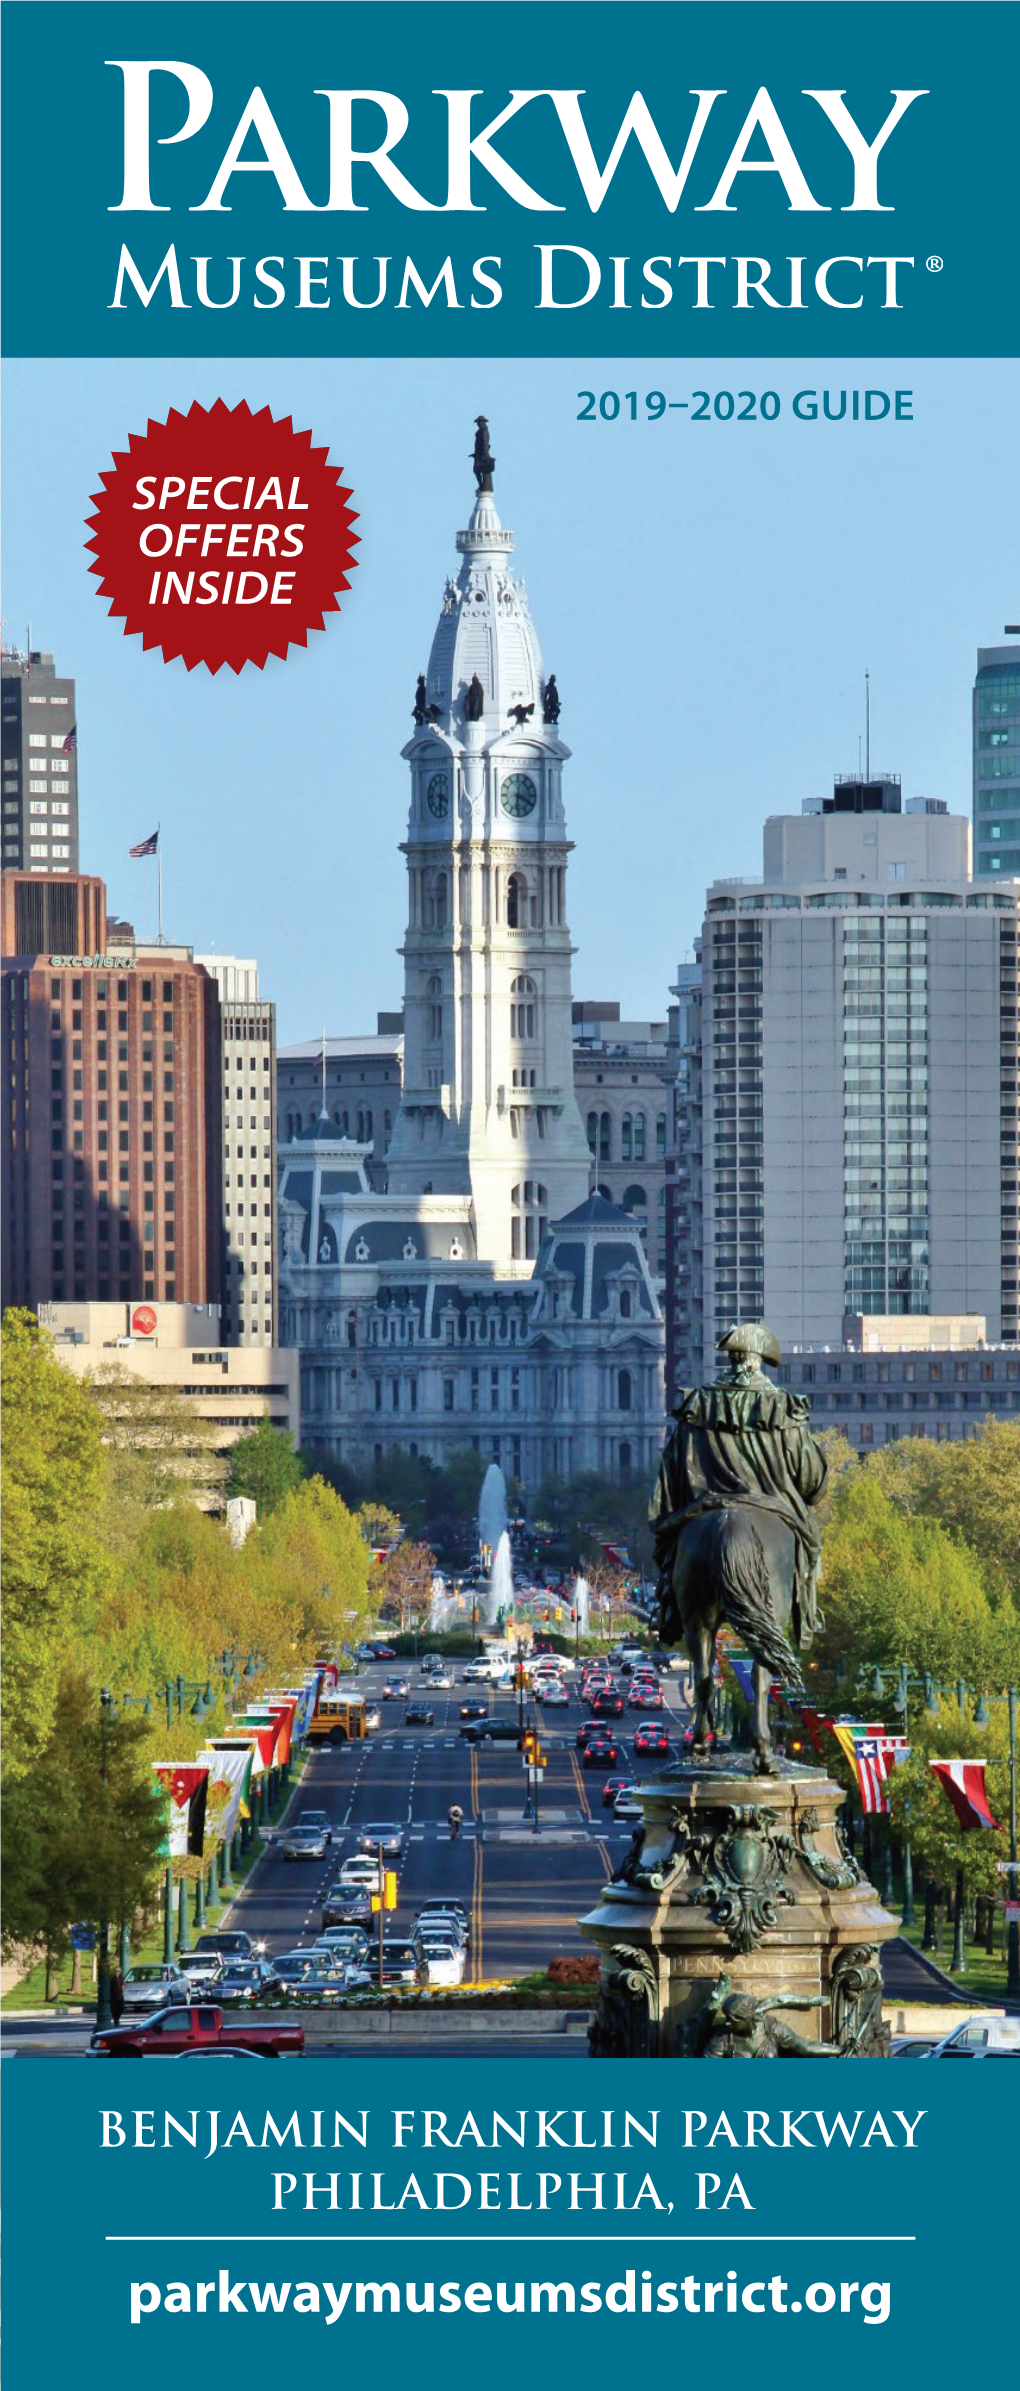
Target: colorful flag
(229, 1780)
(71, 740)
(742, 1666)
(149, 846)
(186, 1786)
(963, 1783)
(874, 1756)
(813, 1725)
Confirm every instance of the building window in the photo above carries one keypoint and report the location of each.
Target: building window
(523, 1011)
(529, 1219)
(623, 1391)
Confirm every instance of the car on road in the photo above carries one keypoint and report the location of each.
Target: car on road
(590, 1728)
(402, 1963)
(982, 2038)
(474, 1710)
(347, 1905)
(418, 1714)
(445, 1913)
(195, 2027)
(612, 1787)
(644, 1695)
(318, 1987)
(349, 1943)
(200, 1967)
(241, 1982)
(689, 1736)
(382, 1652)
(386, 1831)
(155, 1985)
(316, 1818)
(438, 1681)
(477, 1672)
(600, 1755)
(373, 1720)
(444, 1961)
(607, 1706)
(650, 1737)
(304, 1843)
(396, 1689)
(231, 1942)
(627, 1810)
(552, 1697)
(492, 1731)
(360, 1869)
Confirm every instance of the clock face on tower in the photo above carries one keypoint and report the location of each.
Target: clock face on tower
(519, 795)
(438, 795)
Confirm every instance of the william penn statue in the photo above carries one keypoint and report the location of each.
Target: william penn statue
(735, 1540)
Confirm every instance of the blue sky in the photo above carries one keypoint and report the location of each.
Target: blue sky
(708, 595)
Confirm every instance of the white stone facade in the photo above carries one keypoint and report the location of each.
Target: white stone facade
(486, 1298)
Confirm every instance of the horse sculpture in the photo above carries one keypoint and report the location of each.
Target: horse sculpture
(734, 1537)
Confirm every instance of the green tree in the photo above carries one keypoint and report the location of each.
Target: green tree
(82, 1831)
(897, 1587)
(264, 1466)
(53, 1569)
(158, 1448)
(972, 1487)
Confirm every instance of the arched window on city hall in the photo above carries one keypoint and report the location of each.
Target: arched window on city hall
(623, 1391)
(434, 993)
(523, 1008)
(635, 1201)
(529, 1219)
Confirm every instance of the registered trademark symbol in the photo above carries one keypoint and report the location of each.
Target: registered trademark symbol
(934, 265)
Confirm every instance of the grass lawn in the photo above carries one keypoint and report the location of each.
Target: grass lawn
(30, 1993)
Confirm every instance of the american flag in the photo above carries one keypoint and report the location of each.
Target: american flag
(71, 740)
(149, 846)
(874, 1756)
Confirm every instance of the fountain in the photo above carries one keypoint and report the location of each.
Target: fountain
(501, 1582)
(442, 1607)
(492, 1507)
(582, 1605)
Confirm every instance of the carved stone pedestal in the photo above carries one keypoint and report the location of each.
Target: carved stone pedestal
(737, 1926)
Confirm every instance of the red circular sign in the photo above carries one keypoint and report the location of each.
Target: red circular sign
(222, 536)
(143, 1320)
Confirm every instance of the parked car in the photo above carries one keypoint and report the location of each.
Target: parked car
(155, 1985)
(316, 1818)
(418, 1714)
(304, 1843)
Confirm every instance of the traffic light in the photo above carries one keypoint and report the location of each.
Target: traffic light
(530, 1748)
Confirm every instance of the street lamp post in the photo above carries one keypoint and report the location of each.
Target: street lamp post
(104, 2013)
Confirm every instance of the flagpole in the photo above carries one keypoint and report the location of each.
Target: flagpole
(159, 874)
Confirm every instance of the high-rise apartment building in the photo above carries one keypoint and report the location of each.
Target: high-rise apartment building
(855, 1145)
(247, 1151)
(39, 764)
(623, 1077)
(110, 1125)
(997, 760)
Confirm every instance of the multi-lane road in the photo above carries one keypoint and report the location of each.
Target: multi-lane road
(524, 1890)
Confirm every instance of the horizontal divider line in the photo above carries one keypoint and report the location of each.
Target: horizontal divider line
(493, 2240)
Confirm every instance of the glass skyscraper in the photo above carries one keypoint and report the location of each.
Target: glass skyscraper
(997, 760)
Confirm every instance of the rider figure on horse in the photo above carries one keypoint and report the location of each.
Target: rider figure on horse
(735, 1541)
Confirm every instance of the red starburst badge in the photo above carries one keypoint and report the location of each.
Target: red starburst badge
(222, 536)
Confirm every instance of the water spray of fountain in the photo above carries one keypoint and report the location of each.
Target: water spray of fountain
(582, 1605)
(493, 1537)
(442, 1608)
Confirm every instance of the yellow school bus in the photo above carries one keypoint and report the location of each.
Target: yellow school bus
(338, 1719)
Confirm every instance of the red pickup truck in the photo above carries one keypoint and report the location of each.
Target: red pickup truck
(196, 2028)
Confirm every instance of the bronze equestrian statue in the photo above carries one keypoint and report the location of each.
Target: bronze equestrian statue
(735, 1541)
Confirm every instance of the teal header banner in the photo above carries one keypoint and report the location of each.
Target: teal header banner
(794, 2224)
(556, 180)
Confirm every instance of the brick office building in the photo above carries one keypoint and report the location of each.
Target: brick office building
(111, 1123)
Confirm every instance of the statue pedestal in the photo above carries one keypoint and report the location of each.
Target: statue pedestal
(738, 1885)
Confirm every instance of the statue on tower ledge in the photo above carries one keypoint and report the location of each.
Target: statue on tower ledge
(551, 700)
(420, 709)
(483, 464)
(474, 702)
